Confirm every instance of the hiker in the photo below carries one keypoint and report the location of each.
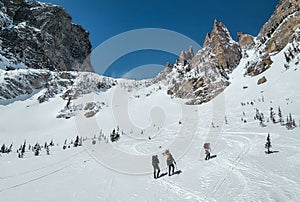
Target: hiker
(207, 150)
(155, 162)
(170, 163)
(268, 144)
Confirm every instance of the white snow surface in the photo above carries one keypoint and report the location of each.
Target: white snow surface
(240, 172)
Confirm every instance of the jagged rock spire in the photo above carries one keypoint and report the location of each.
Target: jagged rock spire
(227, 51)
(186, 55)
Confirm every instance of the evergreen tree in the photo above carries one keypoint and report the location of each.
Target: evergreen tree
(37, 149)
(294, 123)
(65, 144)
(280, 115)
(48, 150)
(290, 118)
(268, 144)
(3, 148)
(272, 115)
(287, 58)
(80, 141)
(10, 147)
(114, 136)
(76, 141)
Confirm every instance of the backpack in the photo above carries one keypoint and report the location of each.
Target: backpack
(155, 159)
(206, 146)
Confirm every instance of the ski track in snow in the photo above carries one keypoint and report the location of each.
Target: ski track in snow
(234, 164)
(43, 167)
(34, 179)
(39, 172)
(180, 191)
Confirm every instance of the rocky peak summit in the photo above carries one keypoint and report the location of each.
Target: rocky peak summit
(226, 50)
(186, 55)
(202, 76)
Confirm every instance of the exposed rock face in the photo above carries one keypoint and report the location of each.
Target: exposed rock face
(227, 52)
(22, 82)
(246, 41)
(275, 35)
(71, 84)
(282, 25)
(40, 35)
(202, 76)
(261, 80)
(186, 55)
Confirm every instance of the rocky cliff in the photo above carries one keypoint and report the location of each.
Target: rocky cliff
(275, 35)
(201, 76)
(41, 36)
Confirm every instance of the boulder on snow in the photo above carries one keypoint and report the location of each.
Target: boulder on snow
(89, 114)
(261, 80)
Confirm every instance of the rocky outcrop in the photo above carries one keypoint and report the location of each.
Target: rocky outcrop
(275, 35)
(48, 84)
(246, 41)
(203, 76)
(24, 82)
(186, 55)
(42, 36)
(257, 67)
(227, 51)
(261, 80)
(277, 32)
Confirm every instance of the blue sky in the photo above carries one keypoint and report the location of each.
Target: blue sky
(107, 18)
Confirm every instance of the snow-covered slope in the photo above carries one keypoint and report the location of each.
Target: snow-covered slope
(150, 122)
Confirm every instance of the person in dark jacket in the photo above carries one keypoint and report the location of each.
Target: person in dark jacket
(155, 162)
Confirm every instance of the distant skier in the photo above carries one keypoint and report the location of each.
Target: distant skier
(155, 162)
(207, 150)
(170, 162)
(268, 144)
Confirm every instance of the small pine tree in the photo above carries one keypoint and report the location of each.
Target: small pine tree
(290, 118)
(268, 144)
(76, 141)
(48, 150)
(51, 143)
(280, 115)
(294, 123)
(10, 147)
(272, 115)
(287, 59)
(114, 136)
(80, 141)
(36, 152)
(3, 148)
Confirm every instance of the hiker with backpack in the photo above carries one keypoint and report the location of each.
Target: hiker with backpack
(155, 162)
(207, 150)
(170, 162)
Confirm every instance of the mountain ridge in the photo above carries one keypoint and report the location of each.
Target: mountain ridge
(201, 76)
(41, 36)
